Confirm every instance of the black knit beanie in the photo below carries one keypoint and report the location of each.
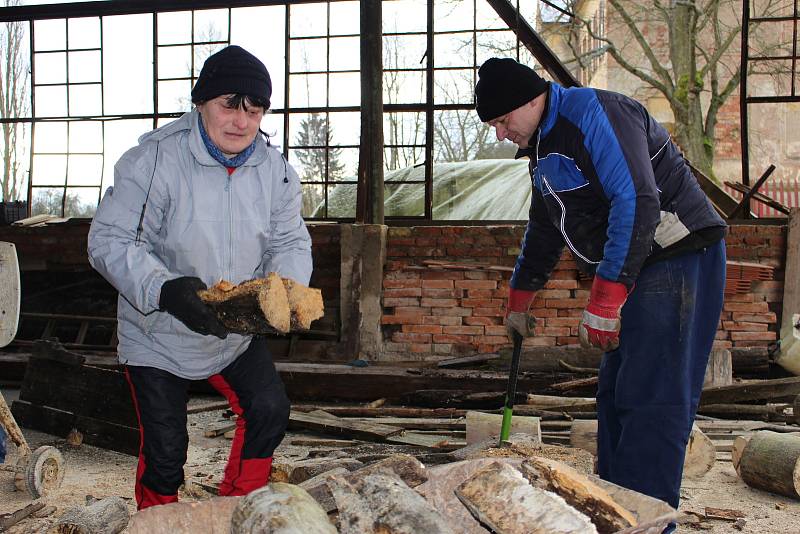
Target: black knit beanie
(232, 71)
(503, 86)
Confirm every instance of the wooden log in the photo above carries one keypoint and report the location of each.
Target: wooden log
(280, 508)
(501, 498)
(700, 452)
(383, 504)
(305, 304)
(771, 462)
(579, 492)
(750, 361)
(297, 471)
(10, 519)
(754, 390)
(719, 371)
(576, 384)
(765, 412)
(318, 488)
(556, 403)
(106, 516)
(481, 426)
(212, 515)
(338, 426)
(736, 451)
(258, 306)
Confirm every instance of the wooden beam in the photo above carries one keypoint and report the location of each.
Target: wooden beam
(749, 391)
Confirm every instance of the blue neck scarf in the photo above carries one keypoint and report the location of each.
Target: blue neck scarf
(236, 161)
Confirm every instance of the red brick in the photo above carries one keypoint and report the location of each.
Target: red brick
(769, 317)
(420, 348)
(442, 275)
(561, 284)
(404, 337)
(554, 294)
(455, 310)
(745, 327)
(449, 338)
(566, 303)
(403, 283)
(411, 310)
(552, 331)
(396, 252)
(572, 340)
(476, 321)
(498, 330)
(476, 284)
(402, 319)
(390, 346)
(753, 336)
(422, 329)
(401, 275)
(402, 292)
(721, 334)
(442, 293)
(482, 303)
(537, 341)
(739, 297)
(488, 312)
(437, 284)
(427, 230)
(581, 294)
(476, 275)
(754, 307)
(439, 303)
(751, 343)
(491, 340)
(722, 345)
(570, 312)
(542, 313)
(442, 348)
(463, 330)
(391, 302)
(400, 242)
(444, 320)
(426, 241)
(563, 321)
(482, 293)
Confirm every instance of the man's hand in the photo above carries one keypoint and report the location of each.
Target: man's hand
(517, 317)
(179, 298)
(600, 323)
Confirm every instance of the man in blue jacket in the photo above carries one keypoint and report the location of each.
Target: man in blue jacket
(200, 199)
(608, 182)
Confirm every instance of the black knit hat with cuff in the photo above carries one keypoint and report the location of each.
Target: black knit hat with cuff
(503, 86)
(232, 71)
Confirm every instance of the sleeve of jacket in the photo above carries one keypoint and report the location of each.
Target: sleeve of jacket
(541, 248)
(130, 266)
(289, 250)
(616, 142)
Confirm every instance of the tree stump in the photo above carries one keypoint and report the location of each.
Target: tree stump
(106, 516)
(280, 508)
(771, 461)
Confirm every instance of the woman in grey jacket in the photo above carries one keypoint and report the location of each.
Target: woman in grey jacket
(201, 199)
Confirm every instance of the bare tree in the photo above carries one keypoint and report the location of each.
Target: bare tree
(14, 70)
(687, 50)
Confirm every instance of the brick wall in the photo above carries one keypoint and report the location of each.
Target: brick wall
(434, 314)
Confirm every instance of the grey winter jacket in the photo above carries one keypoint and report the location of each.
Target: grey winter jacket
(198, 221)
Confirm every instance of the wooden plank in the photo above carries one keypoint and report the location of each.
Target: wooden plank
(417, 423)
(466, 361)
(755, 390)
(431, 441)
(346, 427)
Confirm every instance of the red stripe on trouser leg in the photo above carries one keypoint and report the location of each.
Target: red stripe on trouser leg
(145, 497)
(241, 476)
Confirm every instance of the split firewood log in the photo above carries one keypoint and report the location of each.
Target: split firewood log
(280, 508)
(105, 516)
(384, 504)
(579, 492)
(264, 305)
(502, 499)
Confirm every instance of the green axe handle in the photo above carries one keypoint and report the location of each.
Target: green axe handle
(511, 392)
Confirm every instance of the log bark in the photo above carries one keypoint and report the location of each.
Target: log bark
(771, 461)
(481, 426)
(106, 516)
(579, 492)
(383, 504)
(280, 508)
(502, 499)
(719, 371)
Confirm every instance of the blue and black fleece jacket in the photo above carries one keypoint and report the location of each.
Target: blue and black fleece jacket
(609, 183)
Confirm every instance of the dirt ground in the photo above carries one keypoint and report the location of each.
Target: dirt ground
(101, 473)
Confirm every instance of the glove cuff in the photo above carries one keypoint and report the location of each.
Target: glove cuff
(519, 300)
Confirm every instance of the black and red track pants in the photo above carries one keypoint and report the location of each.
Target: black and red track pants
(255, 393)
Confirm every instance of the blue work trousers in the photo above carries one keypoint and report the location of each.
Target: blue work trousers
(649, 387)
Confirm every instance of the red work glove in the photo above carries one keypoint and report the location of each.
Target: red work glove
(600, 322)
(517, 317)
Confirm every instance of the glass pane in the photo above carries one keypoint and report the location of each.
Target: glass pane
(128, 78)
(487, 17)
(51, 101)
(49, 170)
(15, 184)
(496, 44)
(50, 67)
(454, 87)
(201, 53)
(341, 201)
(50, 137)
(46, 201)
(313, 200)
(16, 34)
(84, 170)
(174, 28)
(345, 18)
(395, 158)
(461, 136)
(84, 67)
(309, 163)
(211, 25)
(770, 39)
(50, 35)
(84, 136)
(404, 200)
(261, 31)
(404, 51)
(272, 125)
(404, 128)
(404, 87)
(345, 89)
(308, 130)
(81, 202)
(405, 16)
(345, 53)
(308, 20)
(84, 33)
(174, 61)
(343, 164)
(174, 96)
(85, 100)
(453, 50)
(451, 15)
(345, 128)
(769, 78)
(309, 55)
(119, 137)
(307, 90)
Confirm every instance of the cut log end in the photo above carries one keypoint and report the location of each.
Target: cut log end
(305, 303)
(274, 303)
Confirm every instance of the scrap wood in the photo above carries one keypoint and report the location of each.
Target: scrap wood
(279, 508)
(104, 516)
(467, 360)
(723, 514)
(575, 369)
(752, 390)
(575, 384)
(387, 411)
(11, 519)
(466, 266)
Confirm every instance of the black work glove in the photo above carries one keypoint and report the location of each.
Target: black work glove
(179, 298)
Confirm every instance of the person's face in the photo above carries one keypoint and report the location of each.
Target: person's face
(518, 125)
(231, 129)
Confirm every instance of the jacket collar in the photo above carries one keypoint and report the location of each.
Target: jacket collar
(551, 108)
